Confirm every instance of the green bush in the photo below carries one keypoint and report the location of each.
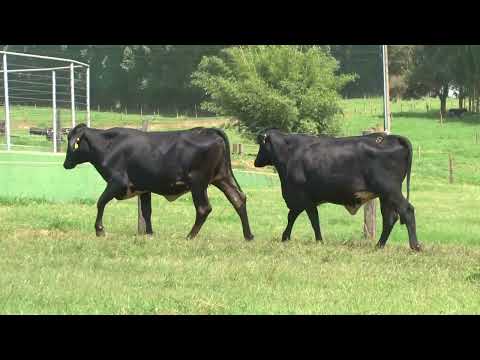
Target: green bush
(294, 88)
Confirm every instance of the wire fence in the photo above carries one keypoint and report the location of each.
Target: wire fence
(39, 90)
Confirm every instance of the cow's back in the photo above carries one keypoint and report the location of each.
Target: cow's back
(334, 168)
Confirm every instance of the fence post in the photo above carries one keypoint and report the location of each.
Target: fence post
(142, 228)
(59, 130)
(7, 102)
(72, 93)
(240, 149)
(88, 96)
(54, 112)
(369, 213)
(234, 148)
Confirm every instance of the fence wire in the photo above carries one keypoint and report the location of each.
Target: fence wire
(30, 97)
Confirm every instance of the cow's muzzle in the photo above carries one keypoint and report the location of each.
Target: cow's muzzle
(68, 165)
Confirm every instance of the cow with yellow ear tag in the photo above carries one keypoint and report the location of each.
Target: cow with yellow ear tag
(170, 164)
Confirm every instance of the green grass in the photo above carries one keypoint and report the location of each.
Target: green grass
(52, 263)
(24, 117)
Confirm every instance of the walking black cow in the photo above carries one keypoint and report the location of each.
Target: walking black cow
(346, 171)
(171, 164)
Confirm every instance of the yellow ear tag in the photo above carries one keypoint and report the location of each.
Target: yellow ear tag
(76, 144)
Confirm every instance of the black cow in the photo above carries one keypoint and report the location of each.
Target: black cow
(457, 112)
(171, 164)
(346, 171)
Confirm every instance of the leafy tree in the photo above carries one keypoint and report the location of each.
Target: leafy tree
(433, 71)
(294, 88)
(366, 62)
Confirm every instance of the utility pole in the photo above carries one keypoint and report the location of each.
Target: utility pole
(387, 123)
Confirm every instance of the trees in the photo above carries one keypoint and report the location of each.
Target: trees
(433, 71)
(366, 62)
(155, 76)
(294, 88)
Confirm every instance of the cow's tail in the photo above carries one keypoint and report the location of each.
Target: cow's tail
(405, 142)
(227, 150)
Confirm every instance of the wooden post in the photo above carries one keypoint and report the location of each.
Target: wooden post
(234, 148)
(240, 149)
(450, 169)
(59, 131)
(142, 228)
(369, 212)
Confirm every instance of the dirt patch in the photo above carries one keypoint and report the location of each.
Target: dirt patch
(188, 124)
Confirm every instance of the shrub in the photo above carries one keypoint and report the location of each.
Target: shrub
(294, 88)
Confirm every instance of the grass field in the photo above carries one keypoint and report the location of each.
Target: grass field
(52, 262)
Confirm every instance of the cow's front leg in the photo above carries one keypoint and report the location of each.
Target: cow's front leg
(112, 190)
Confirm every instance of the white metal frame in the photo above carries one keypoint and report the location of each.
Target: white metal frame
(386, 92)
(73, 64)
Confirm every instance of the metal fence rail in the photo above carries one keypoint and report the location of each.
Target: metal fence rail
(22, 82)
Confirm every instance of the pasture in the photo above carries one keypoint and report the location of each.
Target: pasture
(53, 263)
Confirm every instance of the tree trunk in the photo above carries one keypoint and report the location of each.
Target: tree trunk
(477, 107)
(461, 95)
(474, 99)
(443, 95)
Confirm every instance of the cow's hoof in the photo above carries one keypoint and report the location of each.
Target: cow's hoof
(149, 234)
(379, 246)
(249, 238)
(416, 247)
(100, 233)
(285, 239)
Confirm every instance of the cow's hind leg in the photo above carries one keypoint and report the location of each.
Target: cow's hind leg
(313, 216)
(390, 217)
(112, 190)
(407, 216)
(292, 216)
(203, 208)
(239, 202)
(146, 206)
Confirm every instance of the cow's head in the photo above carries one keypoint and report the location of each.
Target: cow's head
(264, 156)
(78, 148)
